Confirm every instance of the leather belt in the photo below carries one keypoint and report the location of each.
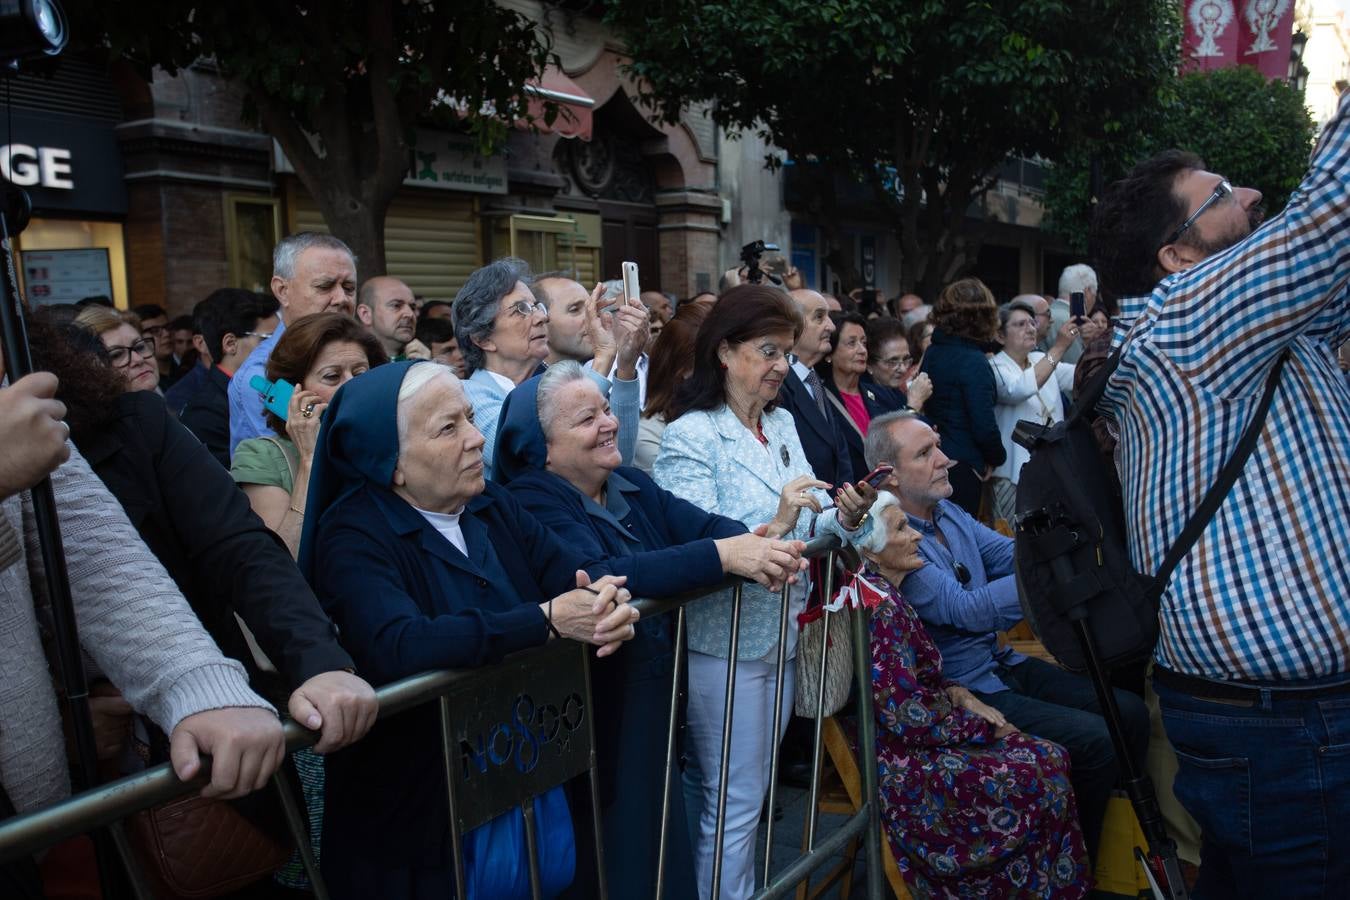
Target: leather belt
(1207, 689)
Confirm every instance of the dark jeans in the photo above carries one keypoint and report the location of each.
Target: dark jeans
(1060, 706)
(967, 488)
(1269, 784)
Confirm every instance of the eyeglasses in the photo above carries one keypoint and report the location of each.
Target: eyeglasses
(525, 308)
(770, 353)
(120, 357)
(1221, 190)
(895, 362)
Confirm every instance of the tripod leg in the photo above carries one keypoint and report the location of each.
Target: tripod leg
(1163, 862)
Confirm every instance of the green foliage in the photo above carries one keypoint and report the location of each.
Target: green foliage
(942, 91)
(1255, 132)
(341, 84)
(316, 58)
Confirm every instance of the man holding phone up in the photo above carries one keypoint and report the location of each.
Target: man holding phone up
(1076, 279)
(1253, 663)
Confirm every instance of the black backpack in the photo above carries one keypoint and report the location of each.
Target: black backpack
(1070, 553)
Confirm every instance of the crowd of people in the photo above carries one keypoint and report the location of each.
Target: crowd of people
(297, 495)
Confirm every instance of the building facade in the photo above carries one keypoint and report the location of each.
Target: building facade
(159, 192)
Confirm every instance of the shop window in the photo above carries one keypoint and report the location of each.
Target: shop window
(567, 243)
(64, 276)
(252, 229)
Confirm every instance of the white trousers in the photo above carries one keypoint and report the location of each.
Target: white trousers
(752, 746)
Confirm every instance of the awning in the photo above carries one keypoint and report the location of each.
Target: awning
(574, 104)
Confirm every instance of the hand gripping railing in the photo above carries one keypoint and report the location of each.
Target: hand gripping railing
(31, 832)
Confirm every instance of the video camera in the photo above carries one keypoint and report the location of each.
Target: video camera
(750, 255)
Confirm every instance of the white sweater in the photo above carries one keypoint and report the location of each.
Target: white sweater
(132, 620)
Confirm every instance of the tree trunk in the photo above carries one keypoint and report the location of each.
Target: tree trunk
(359, 224)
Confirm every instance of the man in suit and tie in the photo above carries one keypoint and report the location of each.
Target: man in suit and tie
(803, 394)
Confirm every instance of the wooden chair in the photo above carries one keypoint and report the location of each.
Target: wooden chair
(841, 794)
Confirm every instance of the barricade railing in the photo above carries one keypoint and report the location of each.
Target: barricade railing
(477, 709)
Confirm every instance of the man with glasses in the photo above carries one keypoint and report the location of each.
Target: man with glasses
(155, 326)
(503, 334)
(232, 325)
(1252, 670)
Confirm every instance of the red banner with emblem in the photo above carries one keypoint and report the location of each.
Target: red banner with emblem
(1222, 33)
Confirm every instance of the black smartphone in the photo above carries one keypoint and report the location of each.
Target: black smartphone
(1077, 306)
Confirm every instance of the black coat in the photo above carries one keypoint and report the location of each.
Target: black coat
(962, 405)
(207, 414)
(822, 439)
(879, 400)
(199, 525)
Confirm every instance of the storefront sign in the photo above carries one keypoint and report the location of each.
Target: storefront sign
(67, 164)
(65, 276)
(450, 162)
(441, 160)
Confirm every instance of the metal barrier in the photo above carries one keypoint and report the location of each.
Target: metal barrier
(480, 787)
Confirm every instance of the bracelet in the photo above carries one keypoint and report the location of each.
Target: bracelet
(298, 512)
(1053, 361)
(549, 621)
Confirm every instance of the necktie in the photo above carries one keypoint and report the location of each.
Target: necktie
(818, 392)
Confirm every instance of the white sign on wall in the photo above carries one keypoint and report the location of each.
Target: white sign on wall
(443, 161)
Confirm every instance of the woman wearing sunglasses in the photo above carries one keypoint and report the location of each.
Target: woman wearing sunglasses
(131, 356)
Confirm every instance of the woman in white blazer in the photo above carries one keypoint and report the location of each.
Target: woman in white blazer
(729, 451)
(1028, 385)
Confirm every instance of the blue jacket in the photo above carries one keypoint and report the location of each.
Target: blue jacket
(406, 601)
(964, 617)
(710, 459)
(631, 689)
(822, 440)
(962, 405)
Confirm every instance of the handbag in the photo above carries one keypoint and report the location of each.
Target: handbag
(194, 847)
(838, 637)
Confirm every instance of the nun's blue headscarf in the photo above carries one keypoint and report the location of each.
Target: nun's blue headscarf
(520, 435)
(358, 445)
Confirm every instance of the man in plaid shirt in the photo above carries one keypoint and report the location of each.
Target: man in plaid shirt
(1253, 663)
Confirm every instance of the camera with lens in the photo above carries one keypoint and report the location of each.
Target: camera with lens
(751, 254)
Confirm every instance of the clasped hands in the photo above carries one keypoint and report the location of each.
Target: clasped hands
(596, 612)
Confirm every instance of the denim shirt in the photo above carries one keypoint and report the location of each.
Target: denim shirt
(962, 619)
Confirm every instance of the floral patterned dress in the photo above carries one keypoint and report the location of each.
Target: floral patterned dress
(967, 815)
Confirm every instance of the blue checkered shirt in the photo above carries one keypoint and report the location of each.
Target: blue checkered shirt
(1265, 592)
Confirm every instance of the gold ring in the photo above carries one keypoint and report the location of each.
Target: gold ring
(307, 412)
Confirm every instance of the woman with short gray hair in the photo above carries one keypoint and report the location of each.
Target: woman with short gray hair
(503, 334)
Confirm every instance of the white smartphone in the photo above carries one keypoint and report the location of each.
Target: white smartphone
(630, 281)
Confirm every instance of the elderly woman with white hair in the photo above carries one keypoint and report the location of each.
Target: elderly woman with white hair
(972, 806)
(503, 334)
(422, 565)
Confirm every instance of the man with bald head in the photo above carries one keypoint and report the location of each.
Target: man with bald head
(387, 308)
(803, 394)
(570, 333)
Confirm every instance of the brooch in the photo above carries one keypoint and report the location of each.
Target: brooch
(782, 451)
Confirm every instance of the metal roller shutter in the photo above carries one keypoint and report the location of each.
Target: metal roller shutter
(431, 238)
